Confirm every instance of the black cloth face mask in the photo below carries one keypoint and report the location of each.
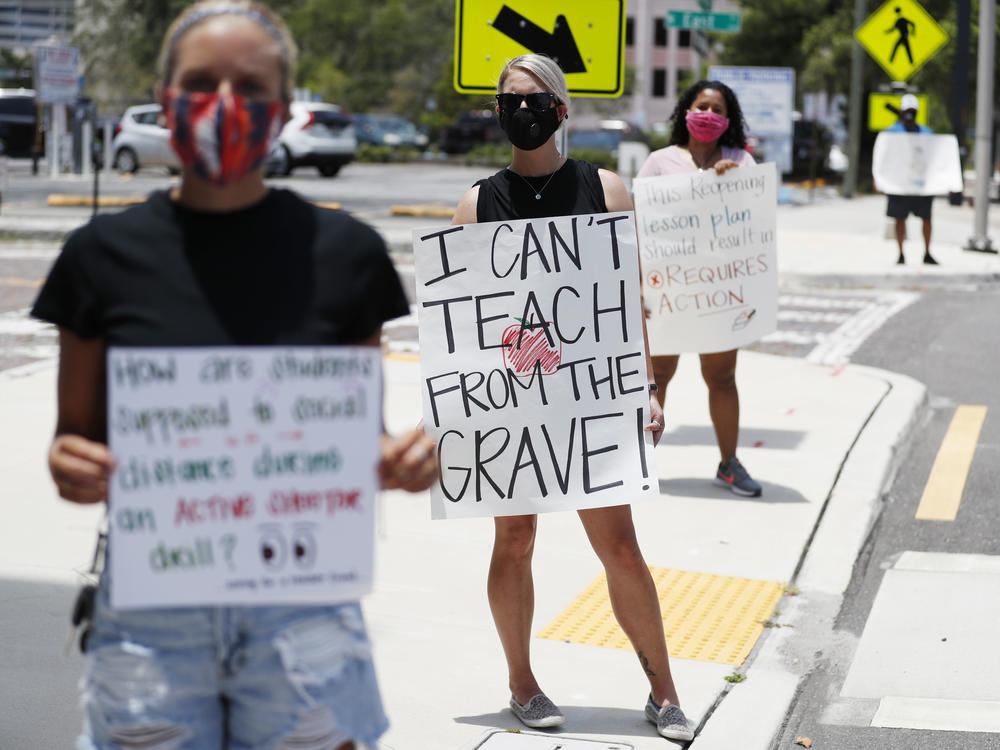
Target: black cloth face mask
(528, 129)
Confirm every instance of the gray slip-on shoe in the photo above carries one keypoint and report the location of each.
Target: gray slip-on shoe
(670, 721)
(537, 713)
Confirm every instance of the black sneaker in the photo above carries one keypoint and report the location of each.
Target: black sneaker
(732, 475)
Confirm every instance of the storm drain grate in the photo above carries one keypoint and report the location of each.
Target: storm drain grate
(705, 617)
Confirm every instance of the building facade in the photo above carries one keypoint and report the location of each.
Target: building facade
(25, 23)
(663, 59)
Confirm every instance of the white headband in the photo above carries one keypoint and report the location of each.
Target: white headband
(230, 9)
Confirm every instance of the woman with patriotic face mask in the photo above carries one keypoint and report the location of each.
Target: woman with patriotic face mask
(221, 260)
(708, 134)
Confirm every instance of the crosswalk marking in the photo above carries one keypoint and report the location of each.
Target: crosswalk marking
(944, 488)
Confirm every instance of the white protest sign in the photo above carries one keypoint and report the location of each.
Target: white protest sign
(709, 258)
(245, 475)
(767, 99)
(58, 74)
(542, 415)
(916, 164)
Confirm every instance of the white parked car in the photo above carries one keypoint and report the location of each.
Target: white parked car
(317, 135)
(142, 140)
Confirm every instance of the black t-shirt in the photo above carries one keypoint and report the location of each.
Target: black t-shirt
(575, 188)
(280, 272)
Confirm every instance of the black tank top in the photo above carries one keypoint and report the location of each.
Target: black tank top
(575, 188)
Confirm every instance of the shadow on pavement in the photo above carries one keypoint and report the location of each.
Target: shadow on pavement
(580, 720)
(755, 437)
(702, 488)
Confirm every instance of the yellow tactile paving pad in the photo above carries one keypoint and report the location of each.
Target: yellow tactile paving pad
(705, 617)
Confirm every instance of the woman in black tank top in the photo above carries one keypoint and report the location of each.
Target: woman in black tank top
(533, 101)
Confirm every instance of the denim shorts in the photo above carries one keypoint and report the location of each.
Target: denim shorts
(233, 678)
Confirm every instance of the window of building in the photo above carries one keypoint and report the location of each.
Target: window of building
(684, 38)
(659, 82)
(629, 31)
(659, 33)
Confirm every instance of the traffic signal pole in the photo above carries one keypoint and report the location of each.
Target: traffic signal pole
(984, 125)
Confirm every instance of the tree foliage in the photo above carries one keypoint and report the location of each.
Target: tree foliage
(815, 37)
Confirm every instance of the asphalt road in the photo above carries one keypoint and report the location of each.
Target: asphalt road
(947, 341)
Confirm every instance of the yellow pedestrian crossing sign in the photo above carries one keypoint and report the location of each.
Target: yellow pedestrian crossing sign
(901, 36)
(586, 38)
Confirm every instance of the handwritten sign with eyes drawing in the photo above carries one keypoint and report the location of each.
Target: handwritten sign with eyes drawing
(244, 475)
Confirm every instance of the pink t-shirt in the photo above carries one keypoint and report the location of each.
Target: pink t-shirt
(677, 160)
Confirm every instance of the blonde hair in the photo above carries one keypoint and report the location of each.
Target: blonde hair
(206, 9)
(544, 69)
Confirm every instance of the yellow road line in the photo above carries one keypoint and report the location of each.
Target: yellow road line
(944, 488)
(12, 281)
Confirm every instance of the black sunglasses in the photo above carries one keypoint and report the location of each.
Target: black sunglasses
(539, 101)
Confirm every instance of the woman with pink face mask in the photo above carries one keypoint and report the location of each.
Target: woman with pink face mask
(708, 133)
(221, 260)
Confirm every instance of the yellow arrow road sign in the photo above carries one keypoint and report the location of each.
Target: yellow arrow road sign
(586, 38)
(901, 36)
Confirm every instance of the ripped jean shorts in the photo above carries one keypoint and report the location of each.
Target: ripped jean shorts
(229, 678)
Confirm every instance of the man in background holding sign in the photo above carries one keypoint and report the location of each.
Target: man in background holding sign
(888, 170)
(536, 379)
(709, 265)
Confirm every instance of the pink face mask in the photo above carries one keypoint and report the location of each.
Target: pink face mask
(706, 126)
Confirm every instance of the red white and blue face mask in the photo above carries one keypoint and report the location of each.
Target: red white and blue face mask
(222, 137)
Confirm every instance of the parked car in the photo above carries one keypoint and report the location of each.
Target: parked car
(605, 137)
(470, 130)
(317, 135)
(811, 141)
(388, 130)
(142, 140)
(18, 122)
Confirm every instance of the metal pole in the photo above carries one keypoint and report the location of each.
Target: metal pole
(854, 120)
(107, 151)
(643, 44)
(53, 142)
(984, 125)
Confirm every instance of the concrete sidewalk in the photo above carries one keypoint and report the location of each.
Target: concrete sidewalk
(822, 440)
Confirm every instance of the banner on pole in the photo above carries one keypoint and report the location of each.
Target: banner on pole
(245, 475)
(916, 164)
(533, 365)
(709, 258)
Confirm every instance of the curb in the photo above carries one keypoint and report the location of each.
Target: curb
(108, 201)
(789, 653)
(888, 279)
(433, 211)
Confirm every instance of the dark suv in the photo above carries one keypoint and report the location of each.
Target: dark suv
(471, 130)
(18, 121)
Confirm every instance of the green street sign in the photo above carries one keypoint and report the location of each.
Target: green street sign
(727, 23)
(706, 5)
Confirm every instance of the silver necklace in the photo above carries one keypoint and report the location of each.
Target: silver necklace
(536, 191)
(701, 167)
